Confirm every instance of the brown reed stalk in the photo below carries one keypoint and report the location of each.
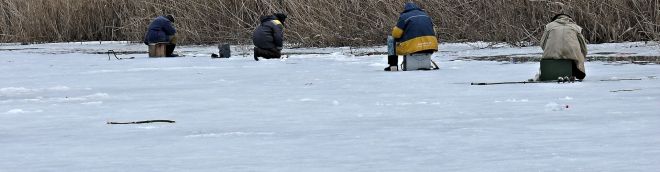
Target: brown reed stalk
(322, 22)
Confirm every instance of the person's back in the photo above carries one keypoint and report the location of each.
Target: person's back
(268, 37)
(414, 31)
(414, 35)
(160, 30)
(563, 40)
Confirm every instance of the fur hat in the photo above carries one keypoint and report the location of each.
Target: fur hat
(170, 17)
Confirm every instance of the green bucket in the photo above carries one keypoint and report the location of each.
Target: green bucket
(551, 69)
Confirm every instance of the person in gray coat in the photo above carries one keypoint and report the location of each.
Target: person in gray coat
(268, 38)
(563, 41)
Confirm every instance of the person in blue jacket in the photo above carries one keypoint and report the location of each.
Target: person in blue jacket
(414, 33)
(161, 30)
(268, 37)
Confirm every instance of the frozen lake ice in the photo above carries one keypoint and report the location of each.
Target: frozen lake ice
(322, 109)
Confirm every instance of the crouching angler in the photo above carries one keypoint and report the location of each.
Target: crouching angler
(564, 50)
(162, 31)
(268, 37)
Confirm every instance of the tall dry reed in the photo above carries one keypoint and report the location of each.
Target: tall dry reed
(322, 22)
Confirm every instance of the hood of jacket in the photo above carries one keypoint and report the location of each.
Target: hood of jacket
(565, 20)
(410, 7)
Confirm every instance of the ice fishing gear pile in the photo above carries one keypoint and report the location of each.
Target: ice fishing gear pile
(566, 79)
(115, 54)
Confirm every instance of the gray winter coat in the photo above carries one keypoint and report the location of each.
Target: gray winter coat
(563, 39)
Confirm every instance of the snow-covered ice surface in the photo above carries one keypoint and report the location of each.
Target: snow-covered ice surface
(325, 111)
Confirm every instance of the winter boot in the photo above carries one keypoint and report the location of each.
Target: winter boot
(392, 68)
(560, 80)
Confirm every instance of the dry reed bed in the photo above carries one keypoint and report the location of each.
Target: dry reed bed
(322, 22)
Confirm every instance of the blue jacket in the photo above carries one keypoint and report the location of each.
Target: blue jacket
(269, 34)
(414, 31)
(159, 30)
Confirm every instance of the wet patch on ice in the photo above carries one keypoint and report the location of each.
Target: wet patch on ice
(513, 58)
(95, 51)
(625, 90)
(117, 52)
(18, 49)
(614, 60)
(618, 59)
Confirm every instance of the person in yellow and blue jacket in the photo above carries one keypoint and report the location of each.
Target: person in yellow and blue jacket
(414, 33)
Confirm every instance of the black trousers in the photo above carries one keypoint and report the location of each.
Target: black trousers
(577, 72)
(273, 53)
(169, 49)
(393, 60)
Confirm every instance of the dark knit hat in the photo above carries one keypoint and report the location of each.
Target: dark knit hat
(558, 15)
(280, 16)
(170, 17)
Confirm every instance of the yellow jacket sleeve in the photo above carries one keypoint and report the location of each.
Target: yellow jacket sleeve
(397, 32)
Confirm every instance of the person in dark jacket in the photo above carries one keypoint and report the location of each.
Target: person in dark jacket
(161, 30)
(414, 33)
(268, 38)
